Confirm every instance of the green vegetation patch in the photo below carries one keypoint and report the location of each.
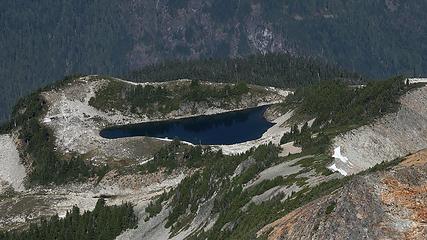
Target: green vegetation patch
(155, 207)
(242, 223)
(280, 70)
(336, 104)
(201, 186)
(213, 177)
(318, 163)
(278, 181)
(383, 166)
(330, 208)
(104, 222)
(7, 193)
(150, 99)
(265, 156)
(175, 155)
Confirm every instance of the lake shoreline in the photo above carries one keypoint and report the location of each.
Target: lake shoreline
(232, 127)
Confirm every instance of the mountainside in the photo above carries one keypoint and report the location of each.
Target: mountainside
(390, 204)
(43, 41)
(393, 136)
(163, 189)
(54, 157)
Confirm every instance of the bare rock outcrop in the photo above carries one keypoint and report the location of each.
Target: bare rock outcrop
(395, 135)
(384, 205)
(12, 172)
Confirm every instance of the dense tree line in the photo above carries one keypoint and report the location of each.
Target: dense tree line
(282, 70)
(175, 155)
(335, 103)
(103, 223)
(150, 99)
(155, 207)
(300, 137)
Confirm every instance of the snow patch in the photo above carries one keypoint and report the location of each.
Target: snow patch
(47, 120)
(335, 169)
(166, 139)
(337, 155)
(417, 80)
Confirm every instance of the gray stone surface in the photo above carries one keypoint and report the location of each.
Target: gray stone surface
(12, 172)
(395, 135)
(384, 205)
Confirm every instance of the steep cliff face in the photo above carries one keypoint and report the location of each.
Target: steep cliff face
(383, 205)
(390, 137)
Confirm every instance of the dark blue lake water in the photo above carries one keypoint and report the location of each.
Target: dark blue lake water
(223, 128)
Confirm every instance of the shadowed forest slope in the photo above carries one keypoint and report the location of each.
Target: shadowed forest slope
(43, 41)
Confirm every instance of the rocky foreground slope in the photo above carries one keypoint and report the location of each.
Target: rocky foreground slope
(391, 204)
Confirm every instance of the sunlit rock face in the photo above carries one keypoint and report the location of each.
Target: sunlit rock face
(12, 172)
(382, 205)
(395, 135)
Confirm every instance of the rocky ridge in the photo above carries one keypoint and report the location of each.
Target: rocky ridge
(383, 205)
(392, 136)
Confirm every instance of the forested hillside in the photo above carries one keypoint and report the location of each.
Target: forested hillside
(280, 70)
(42, 41)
